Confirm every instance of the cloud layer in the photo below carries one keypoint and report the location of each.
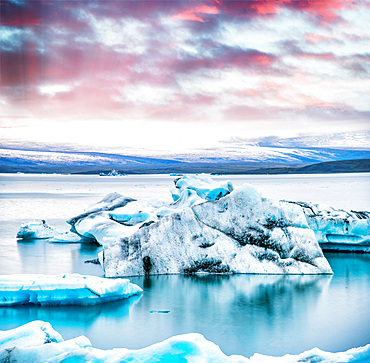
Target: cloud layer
(262, 65)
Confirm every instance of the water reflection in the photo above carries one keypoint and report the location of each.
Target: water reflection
(70, 316)
(243, 314)
(42, 256)
(234, 311)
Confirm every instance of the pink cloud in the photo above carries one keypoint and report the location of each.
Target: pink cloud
(197, 13)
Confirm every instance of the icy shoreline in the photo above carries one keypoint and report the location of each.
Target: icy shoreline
(38, 342)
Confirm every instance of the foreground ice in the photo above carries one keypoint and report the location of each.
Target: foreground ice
(334, 227)
(38, 342)
(72, 289)
(33, 334)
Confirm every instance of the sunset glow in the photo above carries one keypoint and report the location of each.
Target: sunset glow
(154, 71)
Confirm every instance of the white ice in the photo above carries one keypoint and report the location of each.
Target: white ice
(70, 289)
(210, 227)
(336, 226)
(33, 334)
(241, 232)
(39, 229)
(203, 185)
(46, 345)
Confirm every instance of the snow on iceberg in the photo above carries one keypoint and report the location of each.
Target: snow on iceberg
(191, 347)
(241, 232)
(336, 228)
(203, 185)
(70, 289)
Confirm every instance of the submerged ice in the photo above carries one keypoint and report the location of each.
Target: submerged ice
(38, 342)
(70, 289)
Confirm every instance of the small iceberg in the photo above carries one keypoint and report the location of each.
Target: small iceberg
(337, 229)
(70, 289)
(39, 229)
(38, 342)
(113, 172)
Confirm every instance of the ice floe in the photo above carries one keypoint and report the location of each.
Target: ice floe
(38, 342)
(70, 289)
(39, 229)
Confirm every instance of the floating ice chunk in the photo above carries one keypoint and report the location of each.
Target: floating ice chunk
(239, 233)
(203, 185)
(41, 230)
(191, 347)
(336, 226)
(113, 172)
(37, 229)
(70, 289)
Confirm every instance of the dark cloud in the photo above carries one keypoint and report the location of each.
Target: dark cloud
(227, 57)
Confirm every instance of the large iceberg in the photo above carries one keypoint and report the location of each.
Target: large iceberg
(337, 228)
(46, 345)
(237, 231)
(71, 289)
(209, 227)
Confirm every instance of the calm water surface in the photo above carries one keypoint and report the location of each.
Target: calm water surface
(243, 314)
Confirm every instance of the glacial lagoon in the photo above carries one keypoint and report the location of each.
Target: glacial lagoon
(243, 314)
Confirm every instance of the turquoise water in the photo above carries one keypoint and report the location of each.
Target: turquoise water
(243, 314)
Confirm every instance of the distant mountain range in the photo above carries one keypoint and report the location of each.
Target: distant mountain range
(250, 158)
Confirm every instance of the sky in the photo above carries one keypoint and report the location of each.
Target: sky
(171, 76)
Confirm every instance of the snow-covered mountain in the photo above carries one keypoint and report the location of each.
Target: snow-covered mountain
(237, 153)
